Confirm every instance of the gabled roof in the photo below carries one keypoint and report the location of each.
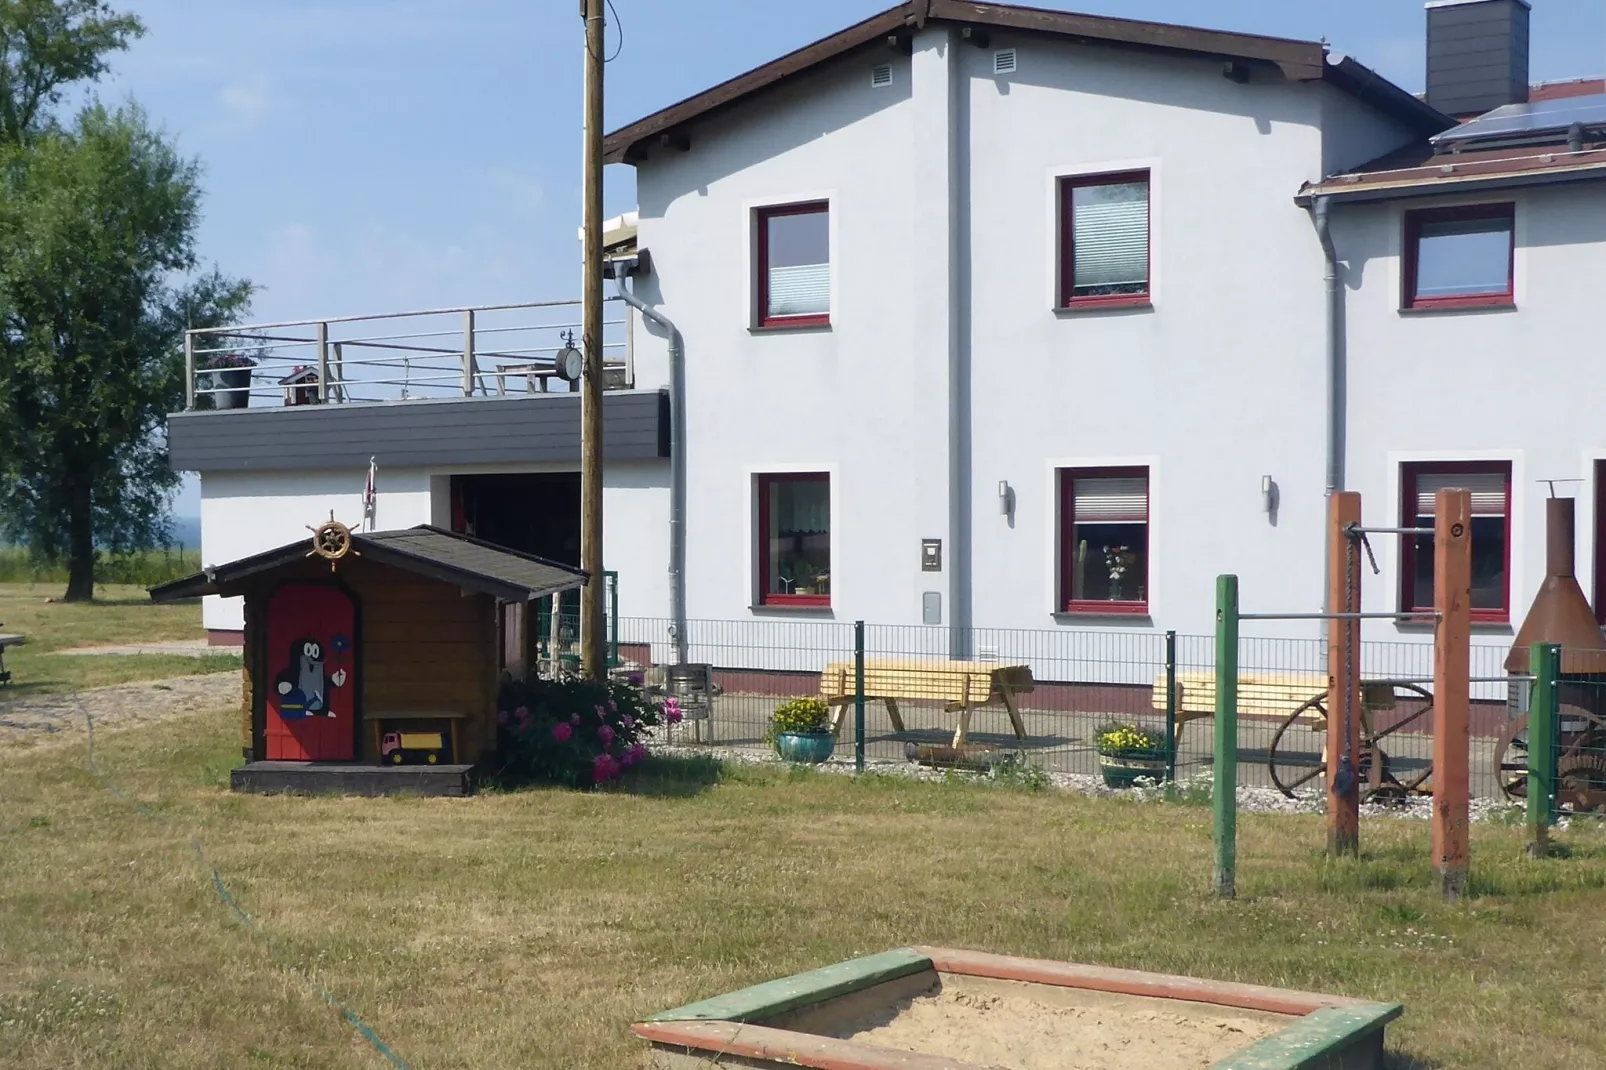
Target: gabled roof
(1301, 61)
(469, 563)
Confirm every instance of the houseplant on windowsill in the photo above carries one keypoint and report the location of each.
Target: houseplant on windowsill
(229, 375)
(800, 730)
(1128, 754)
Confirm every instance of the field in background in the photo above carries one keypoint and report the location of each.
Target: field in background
(144, 568)
(530, 928)
(120, 615)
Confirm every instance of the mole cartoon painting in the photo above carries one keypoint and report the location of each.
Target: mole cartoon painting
(311, 697)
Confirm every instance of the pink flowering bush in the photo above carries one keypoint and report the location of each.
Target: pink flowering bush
(574, 732)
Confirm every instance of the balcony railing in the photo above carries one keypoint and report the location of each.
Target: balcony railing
(489, 351)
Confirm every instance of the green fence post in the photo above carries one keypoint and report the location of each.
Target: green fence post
(613, 619)
(1226, 759)
(1545, 662)
(1170, 706)
(858, 696)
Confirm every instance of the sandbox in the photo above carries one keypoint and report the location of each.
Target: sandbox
(928, 1008)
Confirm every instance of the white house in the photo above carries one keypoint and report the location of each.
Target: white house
(997, 317)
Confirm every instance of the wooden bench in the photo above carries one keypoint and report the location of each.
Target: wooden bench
(1259, 695)
(961, 686)
(5, 641)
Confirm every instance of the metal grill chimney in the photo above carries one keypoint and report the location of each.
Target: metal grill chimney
(1560, 613)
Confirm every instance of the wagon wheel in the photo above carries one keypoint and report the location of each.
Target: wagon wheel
(1511, 759)
(1379, 775)
(1292, 769)
(1581, 762)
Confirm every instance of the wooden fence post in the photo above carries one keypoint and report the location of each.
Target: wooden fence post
(1343, 674)
(1452, 669)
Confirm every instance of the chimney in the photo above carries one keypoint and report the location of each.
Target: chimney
(1560, 613)
(1477, 55)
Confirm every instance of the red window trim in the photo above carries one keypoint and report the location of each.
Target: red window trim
(1067, 483)
(1600, 541)
(1506, 211)
(765, 597)
(761, 288)
(1408, 475)
(1068, 251)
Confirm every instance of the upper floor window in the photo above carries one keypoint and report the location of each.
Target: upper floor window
(1104, 540)
(794, 539)
(1104, 239)
(1490, 484)
(794, 265)
(1459, 257)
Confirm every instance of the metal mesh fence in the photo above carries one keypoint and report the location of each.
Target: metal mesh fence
(923, 683)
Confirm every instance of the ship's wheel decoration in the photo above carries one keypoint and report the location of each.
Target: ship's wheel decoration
(331, 541)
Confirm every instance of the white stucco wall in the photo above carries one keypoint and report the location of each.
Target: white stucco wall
(946, 368)
(1518, 385)
(249, 512)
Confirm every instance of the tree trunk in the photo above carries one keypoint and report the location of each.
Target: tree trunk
(81, 547)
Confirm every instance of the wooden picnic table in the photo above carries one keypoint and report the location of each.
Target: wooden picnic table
(961, 686)
(1266, 694)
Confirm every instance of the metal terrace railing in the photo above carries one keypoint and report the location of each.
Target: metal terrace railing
(489, 351)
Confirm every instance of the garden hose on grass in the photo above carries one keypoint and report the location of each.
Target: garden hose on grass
(228, 900)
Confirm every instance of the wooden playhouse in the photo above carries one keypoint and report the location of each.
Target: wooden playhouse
(372, 661)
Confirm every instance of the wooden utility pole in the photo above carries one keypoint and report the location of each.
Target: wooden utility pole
(1452, 670)
(1343, 673)
(592, 623)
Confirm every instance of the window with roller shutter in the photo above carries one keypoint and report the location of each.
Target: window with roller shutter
(794, 266)
(1104, 240)
(1104, 540)
(1490, 484)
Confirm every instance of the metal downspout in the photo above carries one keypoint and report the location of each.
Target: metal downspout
(1335, 366)
(677, 466)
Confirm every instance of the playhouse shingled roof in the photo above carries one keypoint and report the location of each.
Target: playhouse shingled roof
(470, 563)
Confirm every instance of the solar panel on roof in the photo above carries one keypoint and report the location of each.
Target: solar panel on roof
(1520, 121)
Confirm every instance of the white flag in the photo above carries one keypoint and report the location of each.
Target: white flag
(369, 504)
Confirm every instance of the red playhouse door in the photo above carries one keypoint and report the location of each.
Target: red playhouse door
(311, 674)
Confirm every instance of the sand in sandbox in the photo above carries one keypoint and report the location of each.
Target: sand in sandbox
(1016, 1026)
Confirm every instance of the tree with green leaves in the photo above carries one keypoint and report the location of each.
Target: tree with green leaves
(97, 284)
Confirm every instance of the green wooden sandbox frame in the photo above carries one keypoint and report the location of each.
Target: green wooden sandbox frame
(1327, 1033)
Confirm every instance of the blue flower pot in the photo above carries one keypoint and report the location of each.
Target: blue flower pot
(805, 748)
(1123, 769)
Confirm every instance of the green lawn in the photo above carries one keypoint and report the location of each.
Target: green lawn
(120, 615)
(528, 929)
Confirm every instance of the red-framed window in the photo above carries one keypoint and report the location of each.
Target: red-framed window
(1600, 542)
(1104, 540)
(1490, 484)
(794, 539)
(1460, 257)
(1104, 239)
(793, 288)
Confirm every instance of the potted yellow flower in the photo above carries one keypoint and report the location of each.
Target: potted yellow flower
(800, 730)
(1128, 754)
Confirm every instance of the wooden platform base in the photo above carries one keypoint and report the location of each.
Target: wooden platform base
(326, 778)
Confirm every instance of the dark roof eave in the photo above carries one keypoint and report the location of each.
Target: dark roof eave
(1300, 61)
(1362, 193)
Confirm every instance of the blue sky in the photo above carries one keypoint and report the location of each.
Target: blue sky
(378, 155)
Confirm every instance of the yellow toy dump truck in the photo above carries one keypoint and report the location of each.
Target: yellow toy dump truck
(399, 747)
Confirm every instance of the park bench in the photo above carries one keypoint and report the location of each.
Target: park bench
(960, 686)
(5, 641)
(1260, 695)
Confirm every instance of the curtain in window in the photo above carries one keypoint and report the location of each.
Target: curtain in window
(1112, 500)
(1110, 235)
(802, 507)
(1488, 491)
(800, 290)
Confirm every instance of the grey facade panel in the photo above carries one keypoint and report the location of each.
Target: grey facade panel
(1477, 56)
(415, 434)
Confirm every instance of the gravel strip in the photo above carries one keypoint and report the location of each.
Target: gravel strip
(190, 648)
(32, 720)
(1250, 800)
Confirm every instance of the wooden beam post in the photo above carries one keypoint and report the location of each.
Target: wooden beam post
(516, 639)
(1226, 756)
(1343, 748)
(593, 636)
(1452, 667)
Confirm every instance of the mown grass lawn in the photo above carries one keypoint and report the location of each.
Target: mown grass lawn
(528, 929)
(118, 616)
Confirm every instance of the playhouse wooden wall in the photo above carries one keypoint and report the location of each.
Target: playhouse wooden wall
(426, 647)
